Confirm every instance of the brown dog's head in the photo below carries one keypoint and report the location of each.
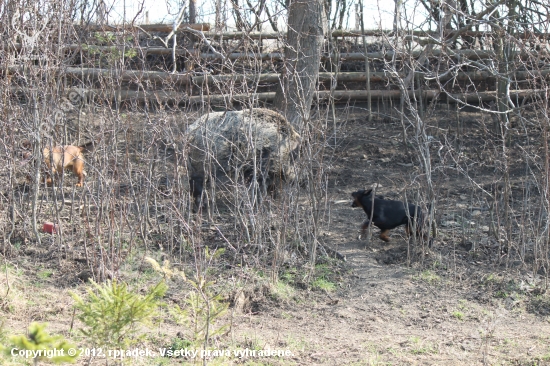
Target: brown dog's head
(26, 144)
(358, 195)
(25, 152)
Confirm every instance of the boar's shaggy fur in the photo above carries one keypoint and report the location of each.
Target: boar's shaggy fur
(241, 146)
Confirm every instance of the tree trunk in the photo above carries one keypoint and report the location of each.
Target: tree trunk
(305, 37)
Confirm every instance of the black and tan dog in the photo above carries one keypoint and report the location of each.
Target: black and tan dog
(388, 214)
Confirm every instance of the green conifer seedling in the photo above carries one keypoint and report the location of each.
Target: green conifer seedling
(41, 346)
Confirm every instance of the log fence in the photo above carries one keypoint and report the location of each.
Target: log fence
(78, 75)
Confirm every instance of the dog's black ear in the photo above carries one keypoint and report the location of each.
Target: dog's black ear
(357, 198)
(366, 193)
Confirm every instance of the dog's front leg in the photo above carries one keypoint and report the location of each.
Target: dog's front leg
(49, 175)
(364, 228)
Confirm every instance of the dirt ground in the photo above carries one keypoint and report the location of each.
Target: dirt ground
(393, 314)
(456, 304)
(462, 301)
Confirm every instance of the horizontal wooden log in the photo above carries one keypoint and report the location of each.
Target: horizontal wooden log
(129, 75)
(338, 95)
(353, 56)
(274, 35)
(146, 27)
(179, 52)
(277, 56)
(191, 78)
(231, 35)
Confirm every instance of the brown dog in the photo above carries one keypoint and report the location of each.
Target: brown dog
(65, 157)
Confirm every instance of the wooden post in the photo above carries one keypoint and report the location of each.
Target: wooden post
(192, 11)
(192, 38)
(218, 19)
(367, 65)
(101, 13)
